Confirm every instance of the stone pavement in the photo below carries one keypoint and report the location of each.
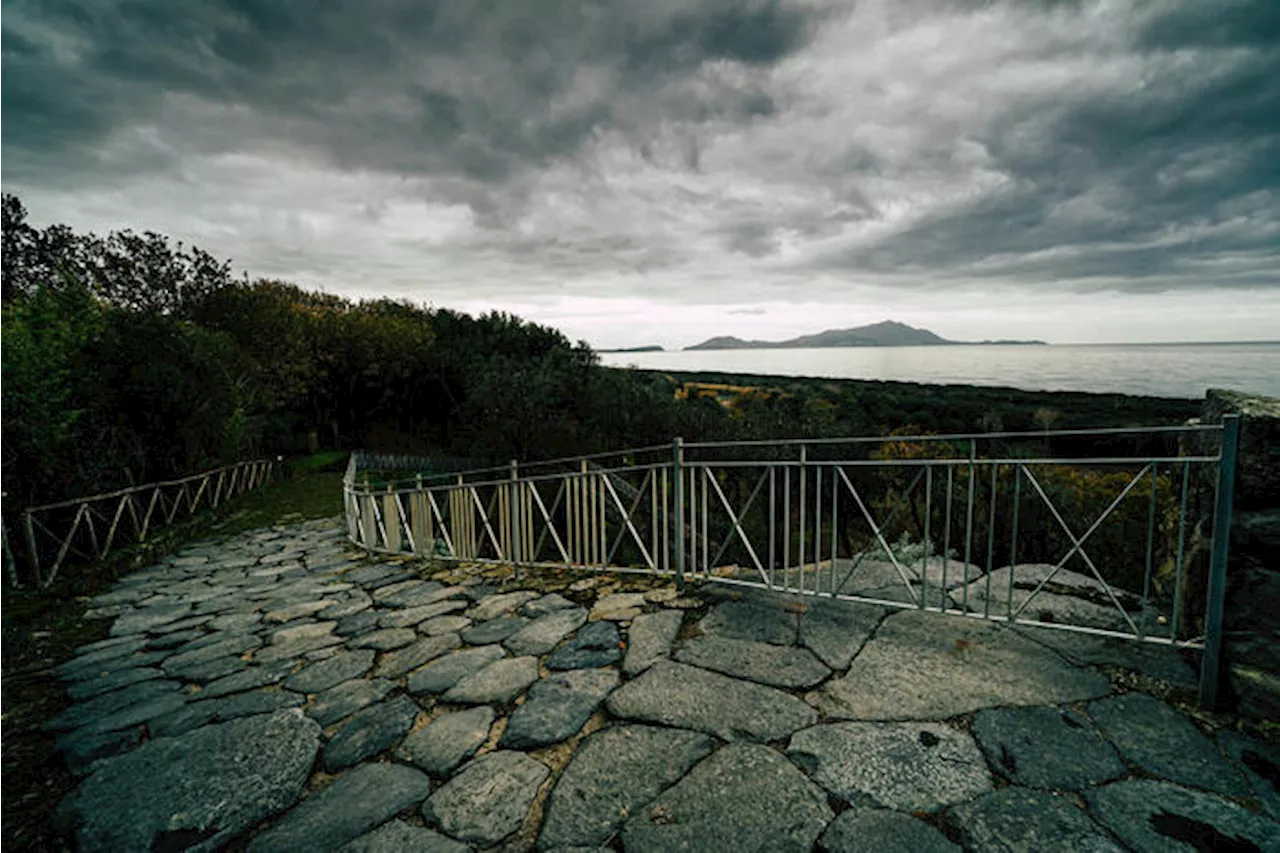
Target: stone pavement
(277, 692)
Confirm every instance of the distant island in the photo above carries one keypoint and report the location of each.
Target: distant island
(648, 348)
(885, 334)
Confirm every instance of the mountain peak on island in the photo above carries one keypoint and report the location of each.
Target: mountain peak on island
(886, 333)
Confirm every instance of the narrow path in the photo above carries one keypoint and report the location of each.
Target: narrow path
(277, 691)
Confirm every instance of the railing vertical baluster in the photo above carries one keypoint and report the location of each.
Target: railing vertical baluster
(800, 540)
(32, 553)
(928, 536)
(968, 528)
(677, 460)
(1176, 616)
(773, 524)
(946, 537)
(1151, 538)
(1209, 665)
(835, 497)
(786, 528)
(991, 541)
(1013, 536)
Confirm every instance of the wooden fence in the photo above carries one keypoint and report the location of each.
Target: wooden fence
(90, 527)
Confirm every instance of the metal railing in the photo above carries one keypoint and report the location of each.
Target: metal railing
(89, 527)
(1115, 532)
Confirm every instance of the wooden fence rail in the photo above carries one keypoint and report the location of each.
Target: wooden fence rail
(90, 527)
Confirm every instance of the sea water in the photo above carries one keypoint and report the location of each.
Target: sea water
(1158, 370)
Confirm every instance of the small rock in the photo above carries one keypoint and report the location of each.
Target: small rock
(488, 799)
(447, 741)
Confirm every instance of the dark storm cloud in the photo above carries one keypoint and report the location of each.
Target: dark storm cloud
(702, 150)
(1144, 182)
(480, 90)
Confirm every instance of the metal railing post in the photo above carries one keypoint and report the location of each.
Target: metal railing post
(511, 519)
(677, 474)
(1210, 676)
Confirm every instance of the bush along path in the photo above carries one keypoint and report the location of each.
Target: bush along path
(276, 691)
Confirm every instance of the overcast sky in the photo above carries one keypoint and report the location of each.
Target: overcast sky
(658, 171)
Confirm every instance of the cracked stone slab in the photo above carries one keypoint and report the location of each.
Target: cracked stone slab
(441, 674)
(397, 663)
(320, 676)
(649, 640)
(744, 797)
(247, 704)
(557, 707)
(370, 731)
(1166, 744)
(859, 829)
(499, 682)
(763, 663)
(295, 611)
(544, 633)
(836, 630)
(231, 646)
(674, 694)
(347, 698)
(357, 623)
(296, 648)
(399, 837)
(355, 602)
(1021, 819)
(199, 790)
(447, 741)
(1050, 748)
(904, 766)
(360, 799)
(488, 799)
(982, 665)
(1160, 817)
(1163, 662)
(618, 607)
(302, 633)
(614, 773)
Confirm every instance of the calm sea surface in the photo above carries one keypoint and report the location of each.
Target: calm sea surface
(1160, 370)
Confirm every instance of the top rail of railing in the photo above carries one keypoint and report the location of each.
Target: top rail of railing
(426, 470)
